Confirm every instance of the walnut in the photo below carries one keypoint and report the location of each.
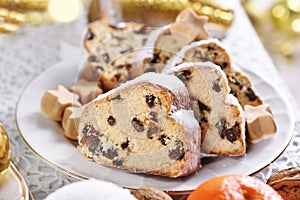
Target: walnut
(150, 193)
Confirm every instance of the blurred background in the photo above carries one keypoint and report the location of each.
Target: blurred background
(277, 22)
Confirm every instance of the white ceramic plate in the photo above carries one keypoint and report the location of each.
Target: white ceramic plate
(12, 185)
(46, 137)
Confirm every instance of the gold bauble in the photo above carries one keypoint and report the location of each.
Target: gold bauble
(216, 13)
(25, 5)
(34, 18)
(8, 27)
(65, 10)
(286, 16)
(293, 5)
(15, 13)
(295, 25)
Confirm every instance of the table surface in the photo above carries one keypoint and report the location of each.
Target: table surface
(34, 49)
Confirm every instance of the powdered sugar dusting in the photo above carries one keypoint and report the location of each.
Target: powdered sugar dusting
(178, 58)
(199, 64)
(232, 100)
(187, 118)
(170, 82)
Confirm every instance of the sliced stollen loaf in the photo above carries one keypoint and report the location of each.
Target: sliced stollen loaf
(111, 51)
(100, 30)
(97, 31)
(212, 50)
(144, 126)
(166, 41)
(218, 112)
(240, 84)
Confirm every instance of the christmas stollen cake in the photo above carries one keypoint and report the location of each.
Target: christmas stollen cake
(240, 85)
(212, 50)
(218, 112)
(111, 54)
(165, 42)
(144, 126)
(122, 52)
(100, 30)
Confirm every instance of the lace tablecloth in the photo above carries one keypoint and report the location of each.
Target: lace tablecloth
(34, 49)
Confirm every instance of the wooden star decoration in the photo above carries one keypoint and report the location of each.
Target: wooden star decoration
(189, 26)
(70, 121)
(54, 102)
(86, 90)
(260, 122)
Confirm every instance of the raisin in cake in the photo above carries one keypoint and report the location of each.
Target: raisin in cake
(212, 50)
(143, 126)
(218, 112)
(111, 52)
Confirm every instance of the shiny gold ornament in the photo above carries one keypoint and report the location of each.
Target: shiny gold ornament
(47, 18)
(16, 17)
(286, 14)
(293, 5)
(34, 18)
(281, 16)
(279, 11)
(296, 25)
(38, 5)
(216, 13)
(13, 17)
(4, 151)
(15, 13)
(3, 12)
(65, 10)
(278, 25)
(284, 47)
(287, 49)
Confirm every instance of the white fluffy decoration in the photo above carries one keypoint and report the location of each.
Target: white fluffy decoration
(91, 189)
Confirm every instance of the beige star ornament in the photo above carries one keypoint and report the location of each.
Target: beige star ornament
(189, 27)
(70, 121)
(260, 122)
(54, 102)
(86, 90)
